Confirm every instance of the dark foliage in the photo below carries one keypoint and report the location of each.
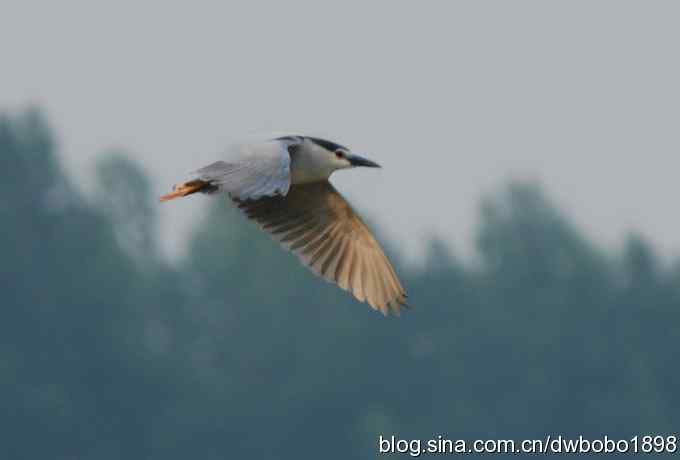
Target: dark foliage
(108, 353)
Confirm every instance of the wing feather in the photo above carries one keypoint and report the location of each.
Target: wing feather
(318, 225)
(251, 171)
(343, 273)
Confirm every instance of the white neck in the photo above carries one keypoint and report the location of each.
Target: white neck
(310, 163)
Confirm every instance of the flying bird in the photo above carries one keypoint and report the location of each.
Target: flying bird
(282, 184)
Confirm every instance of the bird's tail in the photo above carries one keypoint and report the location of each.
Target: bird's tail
(188, 188)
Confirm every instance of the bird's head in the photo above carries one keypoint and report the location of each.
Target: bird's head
(315, 159)
(339, 156)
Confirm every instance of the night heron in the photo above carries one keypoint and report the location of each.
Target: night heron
(282, 184)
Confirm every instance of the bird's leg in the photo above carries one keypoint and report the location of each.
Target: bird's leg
(188, 188)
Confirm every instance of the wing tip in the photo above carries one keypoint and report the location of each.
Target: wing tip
(393, 306)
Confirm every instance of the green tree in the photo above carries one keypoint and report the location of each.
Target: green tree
(108, 352)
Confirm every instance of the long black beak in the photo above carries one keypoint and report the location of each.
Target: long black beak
(356, 160)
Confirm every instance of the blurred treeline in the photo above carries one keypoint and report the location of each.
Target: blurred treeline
(107, 352)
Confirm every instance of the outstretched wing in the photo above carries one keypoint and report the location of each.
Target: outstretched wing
(251, 171)
(317, 224)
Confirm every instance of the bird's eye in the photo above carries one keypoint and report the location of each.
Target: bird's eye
(340, 154)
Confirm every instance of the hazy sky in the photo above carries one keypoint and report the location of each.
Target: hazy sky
(452, 98)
